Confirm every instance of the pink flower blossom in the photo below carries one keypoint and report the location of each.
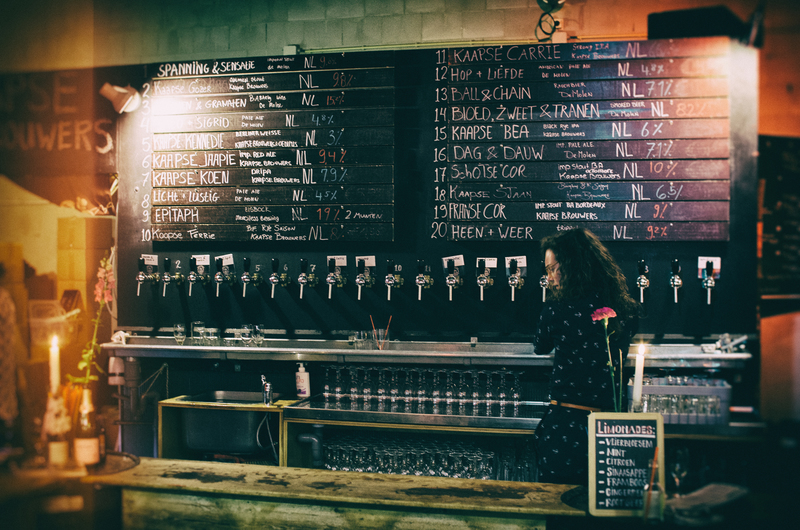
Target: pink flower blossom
(604, 313)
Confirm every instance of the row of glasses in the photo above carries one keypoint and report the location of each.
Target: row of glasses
(510, 409)
(414, 455)
(681, 404)
(421, 385)
(682, 380)
(247, 335)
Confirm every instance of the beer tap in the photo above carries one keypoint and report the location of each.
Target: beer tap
(168, 278)
(423, 281)
(708, 280)
(450, 279)
(363, 278)
(248, 278)
(334, 277)
(392, 280)
(544, 283)
(193, 277)
(642, 281)
(675, 280)
(484, 278)
(305, 278)
(514, 279)
(143, 276)
(221, 277)
(302, 280)
(276, 279)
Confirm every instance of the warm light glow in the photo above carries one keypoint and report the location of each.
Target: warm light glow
(641, 349)
(54, 342)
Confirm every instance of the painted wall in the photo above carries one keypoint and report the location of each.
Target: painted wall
(52, 35)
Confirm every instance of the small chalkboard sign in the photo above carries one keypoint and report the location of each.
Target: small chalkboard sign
(621, 451)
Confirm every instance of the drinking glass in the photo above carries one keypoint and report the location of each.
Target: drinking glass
(394, 389)
(379, 339)
(259, 331)
(326, 383)
(212, 337)
(198, 332)
(179, 332)
(381, 384)
(353, 372)
(422, 387)
(366, 389)
(247, 334)
(409, 388)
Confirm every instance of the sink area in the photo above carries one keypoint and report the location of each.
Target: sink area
(229, 397)
(224, 421)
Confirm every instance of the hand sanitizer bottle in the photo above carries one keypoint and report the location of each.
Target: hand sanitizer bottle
(303, 380)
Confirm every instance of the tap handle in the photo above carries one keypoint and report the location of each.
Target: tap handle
(512, 266)
(246, 264)
(167, 265)
(361, 266)
(303, 265)
(676, 266)
(193, 264)
(709, 269)
(451, 267)
(389, 266)
(420, 266)
(481, 266)
(275, 265)
(643, 268)
(218, 263)
(331, 265)
(141, 265)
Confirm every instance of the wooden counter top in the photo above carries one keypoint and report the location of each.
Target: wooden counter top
(364, 490)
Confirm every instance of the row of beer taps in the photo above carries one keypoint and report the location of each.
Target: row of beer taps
(675, 281)
(515, 273)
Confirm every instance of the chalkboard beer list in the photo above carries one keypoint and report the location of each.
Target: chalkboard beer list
(622, 449)
(629, 139)
(296, 148)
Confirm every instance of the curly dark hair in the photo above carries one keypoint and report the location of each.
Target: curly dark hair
(587, 268)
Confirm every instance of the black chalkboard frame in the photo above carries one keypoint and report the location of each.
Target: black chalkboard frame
(599, 425)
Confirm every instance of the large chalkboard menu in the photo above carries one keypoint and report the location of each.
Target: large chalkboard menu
(262, 150)
(402, 160)
(629, 139)
(622, 451)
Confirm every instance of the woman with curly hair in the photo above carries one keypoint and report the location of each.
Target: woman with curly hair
(583, 278)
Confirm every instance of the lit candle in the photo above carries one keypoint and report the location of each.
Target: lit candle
(638, 374)
(55, 367)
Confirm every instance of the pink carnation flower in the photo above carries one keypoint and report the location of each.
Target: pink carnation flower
(603, 313)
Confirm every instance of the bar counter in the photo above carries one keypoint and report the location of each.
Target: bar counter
(164, 493)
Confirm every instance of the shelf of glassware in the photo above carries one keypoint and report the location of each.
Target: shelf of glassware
(415, 431)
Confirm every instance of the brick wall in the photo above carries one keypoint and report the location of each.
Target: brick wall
(51, 35)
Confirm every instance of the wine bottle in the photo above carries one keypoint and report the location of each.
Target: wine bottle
(86, 448)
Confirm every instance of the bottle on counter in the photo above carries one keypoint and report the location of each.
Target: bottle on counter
(303, 380)
(86, 445)
(57, 450)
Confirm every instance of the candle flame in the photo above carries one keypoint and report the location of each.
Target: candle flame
(641, 349)
(54, 342)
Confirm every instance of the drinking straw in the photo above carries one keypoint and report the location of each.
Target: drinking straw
(374, 334)
(386, 333)
(650, 487)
